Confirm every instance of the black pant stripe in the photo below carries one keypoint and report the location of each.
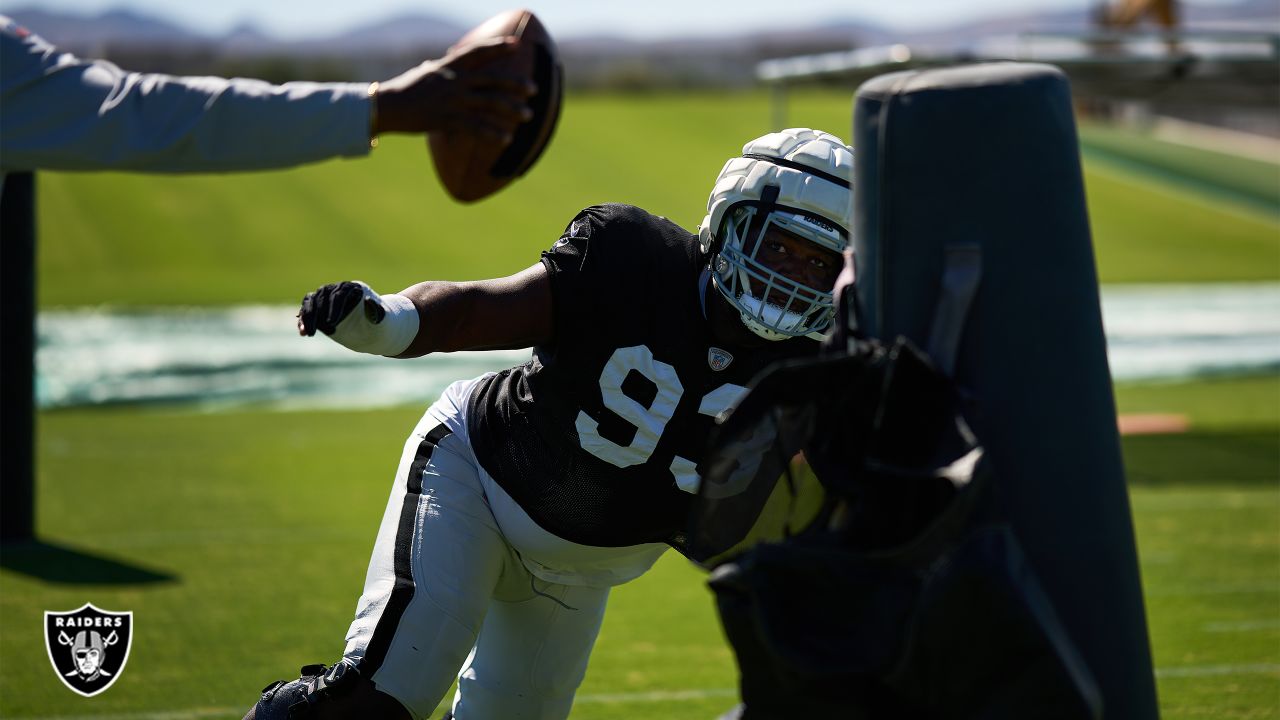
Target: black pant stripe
(402, 591)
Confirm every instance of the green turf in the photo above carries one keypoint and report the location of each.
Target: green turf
(217, 239)
(240, 541)
(1251, 181)
(223, 239)
(1207, 511)
(1147, 231)
(1228, 402)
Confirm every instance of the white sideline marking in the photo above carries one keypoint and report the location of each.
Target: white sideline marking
(192, 714)
(1241, 626)
(641, 697)
(1220, 140)
(656, 696)
(1208, 670)
(598, 698)
(1223, 589)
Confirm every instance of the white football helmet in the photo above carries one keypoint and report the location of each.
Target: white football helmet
(798, 180)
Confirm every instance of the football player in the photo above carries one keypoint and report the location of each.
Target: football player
(523, 496)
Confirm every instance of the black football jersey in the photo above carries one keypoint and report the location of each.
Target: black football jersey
(599, 436)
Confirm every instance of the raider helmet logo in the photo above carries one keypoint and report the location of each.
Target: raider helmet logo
(88, 647)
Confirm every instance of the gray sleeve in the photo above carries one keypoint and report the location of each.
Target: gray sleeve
(59, 112)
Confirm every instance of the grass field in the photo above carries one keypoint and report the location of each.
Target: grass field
(270, 237)
(1252, 181)
(240, 539)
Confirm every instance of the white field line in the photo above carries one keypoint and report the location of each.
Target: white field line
(1222, 140)
(191, 714)
(656, 696)
(1213, 670)
(1242, 626)
(1222, 589)
(641, 697)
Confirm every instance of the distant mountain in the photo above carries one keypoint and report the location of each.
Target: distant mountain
(964, 34)
(84, 33)
(246, 37)
(112, 27)
(1262, 15)
(386, 47)
(413, 32)
(400, 33)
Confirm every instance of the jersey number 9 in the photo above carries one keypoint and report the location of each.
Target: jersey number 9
(650, 421)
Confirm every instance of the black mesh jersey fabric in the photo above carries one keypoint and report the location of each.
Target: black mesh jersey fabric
(590, 435)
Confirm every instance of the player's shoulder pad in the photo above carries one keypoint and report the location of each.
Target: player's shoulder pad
(608, 214)
(626, 223)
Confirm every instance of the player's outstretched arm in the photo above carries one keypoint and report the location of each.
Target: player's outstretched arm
(434, 316)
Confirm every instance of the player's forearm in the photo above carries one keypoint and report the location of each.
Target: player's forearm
(435, 316)
(509, 312)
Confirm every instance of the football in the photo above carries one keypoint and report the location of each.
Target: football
(471, 167)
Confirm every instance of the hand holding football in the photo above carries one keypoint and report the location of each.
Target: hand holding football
(471, 161)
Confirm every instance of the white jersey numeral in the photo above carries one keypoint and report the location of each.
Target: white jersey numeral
(649, 421)
(714, 403)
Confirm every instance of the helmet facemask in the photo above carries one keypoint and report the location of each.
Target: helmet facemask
(771, 304)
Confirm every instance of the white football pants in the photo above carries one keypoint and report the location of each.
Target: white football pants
(463, 581)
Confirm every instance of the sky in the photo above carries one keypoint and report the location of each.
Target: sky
(647, 19)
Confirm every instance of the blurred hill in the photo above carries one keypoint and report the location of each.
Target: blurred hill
(387, 46)
(1255, 15)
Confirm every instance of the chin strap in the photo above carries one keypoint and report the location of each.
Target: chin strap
(768, 203)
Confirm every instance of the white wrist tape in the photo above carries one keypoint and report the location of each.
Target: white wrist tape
(390, 337)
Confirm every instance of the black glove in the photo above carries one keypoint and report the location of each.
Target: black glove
(324, 308)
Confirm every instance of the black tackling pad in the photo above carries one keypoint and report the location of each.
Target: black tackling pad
(986, 156)
(912, 598)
